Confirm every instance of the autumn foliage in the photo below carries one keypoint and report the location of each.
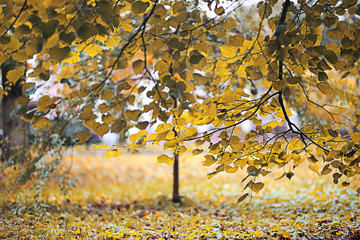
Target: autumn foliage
(179, 74)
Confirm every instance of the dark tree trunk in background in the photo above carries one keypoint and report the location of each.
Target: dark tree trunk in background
(176, 196)
(14, 129)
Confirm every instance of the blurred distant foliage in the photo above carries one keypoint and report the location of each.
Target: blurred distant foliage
(171, 66)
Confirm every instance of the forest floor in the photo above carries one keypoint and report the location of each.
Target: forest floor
(130, 198)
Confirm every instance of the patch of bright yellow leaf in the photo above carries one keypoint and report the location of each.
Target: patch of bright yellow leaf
(92, 49)
(228, 50)
(15, 74)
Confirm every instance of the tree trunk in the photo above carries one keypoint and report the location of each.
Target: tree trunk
(176, 196)
(14, 129)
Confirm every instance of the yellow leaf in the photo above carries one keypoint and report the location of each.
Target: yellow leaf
(83, 136)
(92, 50)
(266, 83)
(286, 234)
(101, 129)
(200, 79)
(197, 151)
(326, 170)
(242, 198)
(280, 114)
(20, 56)
(14, 44)
(240, 163)
(99, 145)
(271, 124)
(112, 153)
(211, 174)
(72, 58)
(240, 71)
(139, 7)
(101, 39)
(258, 234)
(209, 160)
(180, 149)
(138, 66)
(111, 42)
(59, 54)
(42, 123)
(293, 80)
(230, 169)
(228, 51)
(52, 41)
(190, 132)
(107, 94)
(229, 23)
(314, 168)
(45, 103)
(219, 11)
(108, 118)
(324, 87)
(138, 136)
(256, 187)
(278, 85)
(170, 144)
(127, 27)
(163, 128)
(163, 158)
(15, 74)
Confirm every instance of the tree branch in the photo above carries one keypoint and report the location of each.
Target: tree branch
(16, 18)
(141, 28)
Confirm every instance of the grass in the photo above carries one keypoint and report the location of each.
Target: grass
(129, 198)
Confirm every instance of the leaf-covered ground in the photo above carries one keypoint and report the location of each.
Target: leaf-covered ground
(129, 198)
